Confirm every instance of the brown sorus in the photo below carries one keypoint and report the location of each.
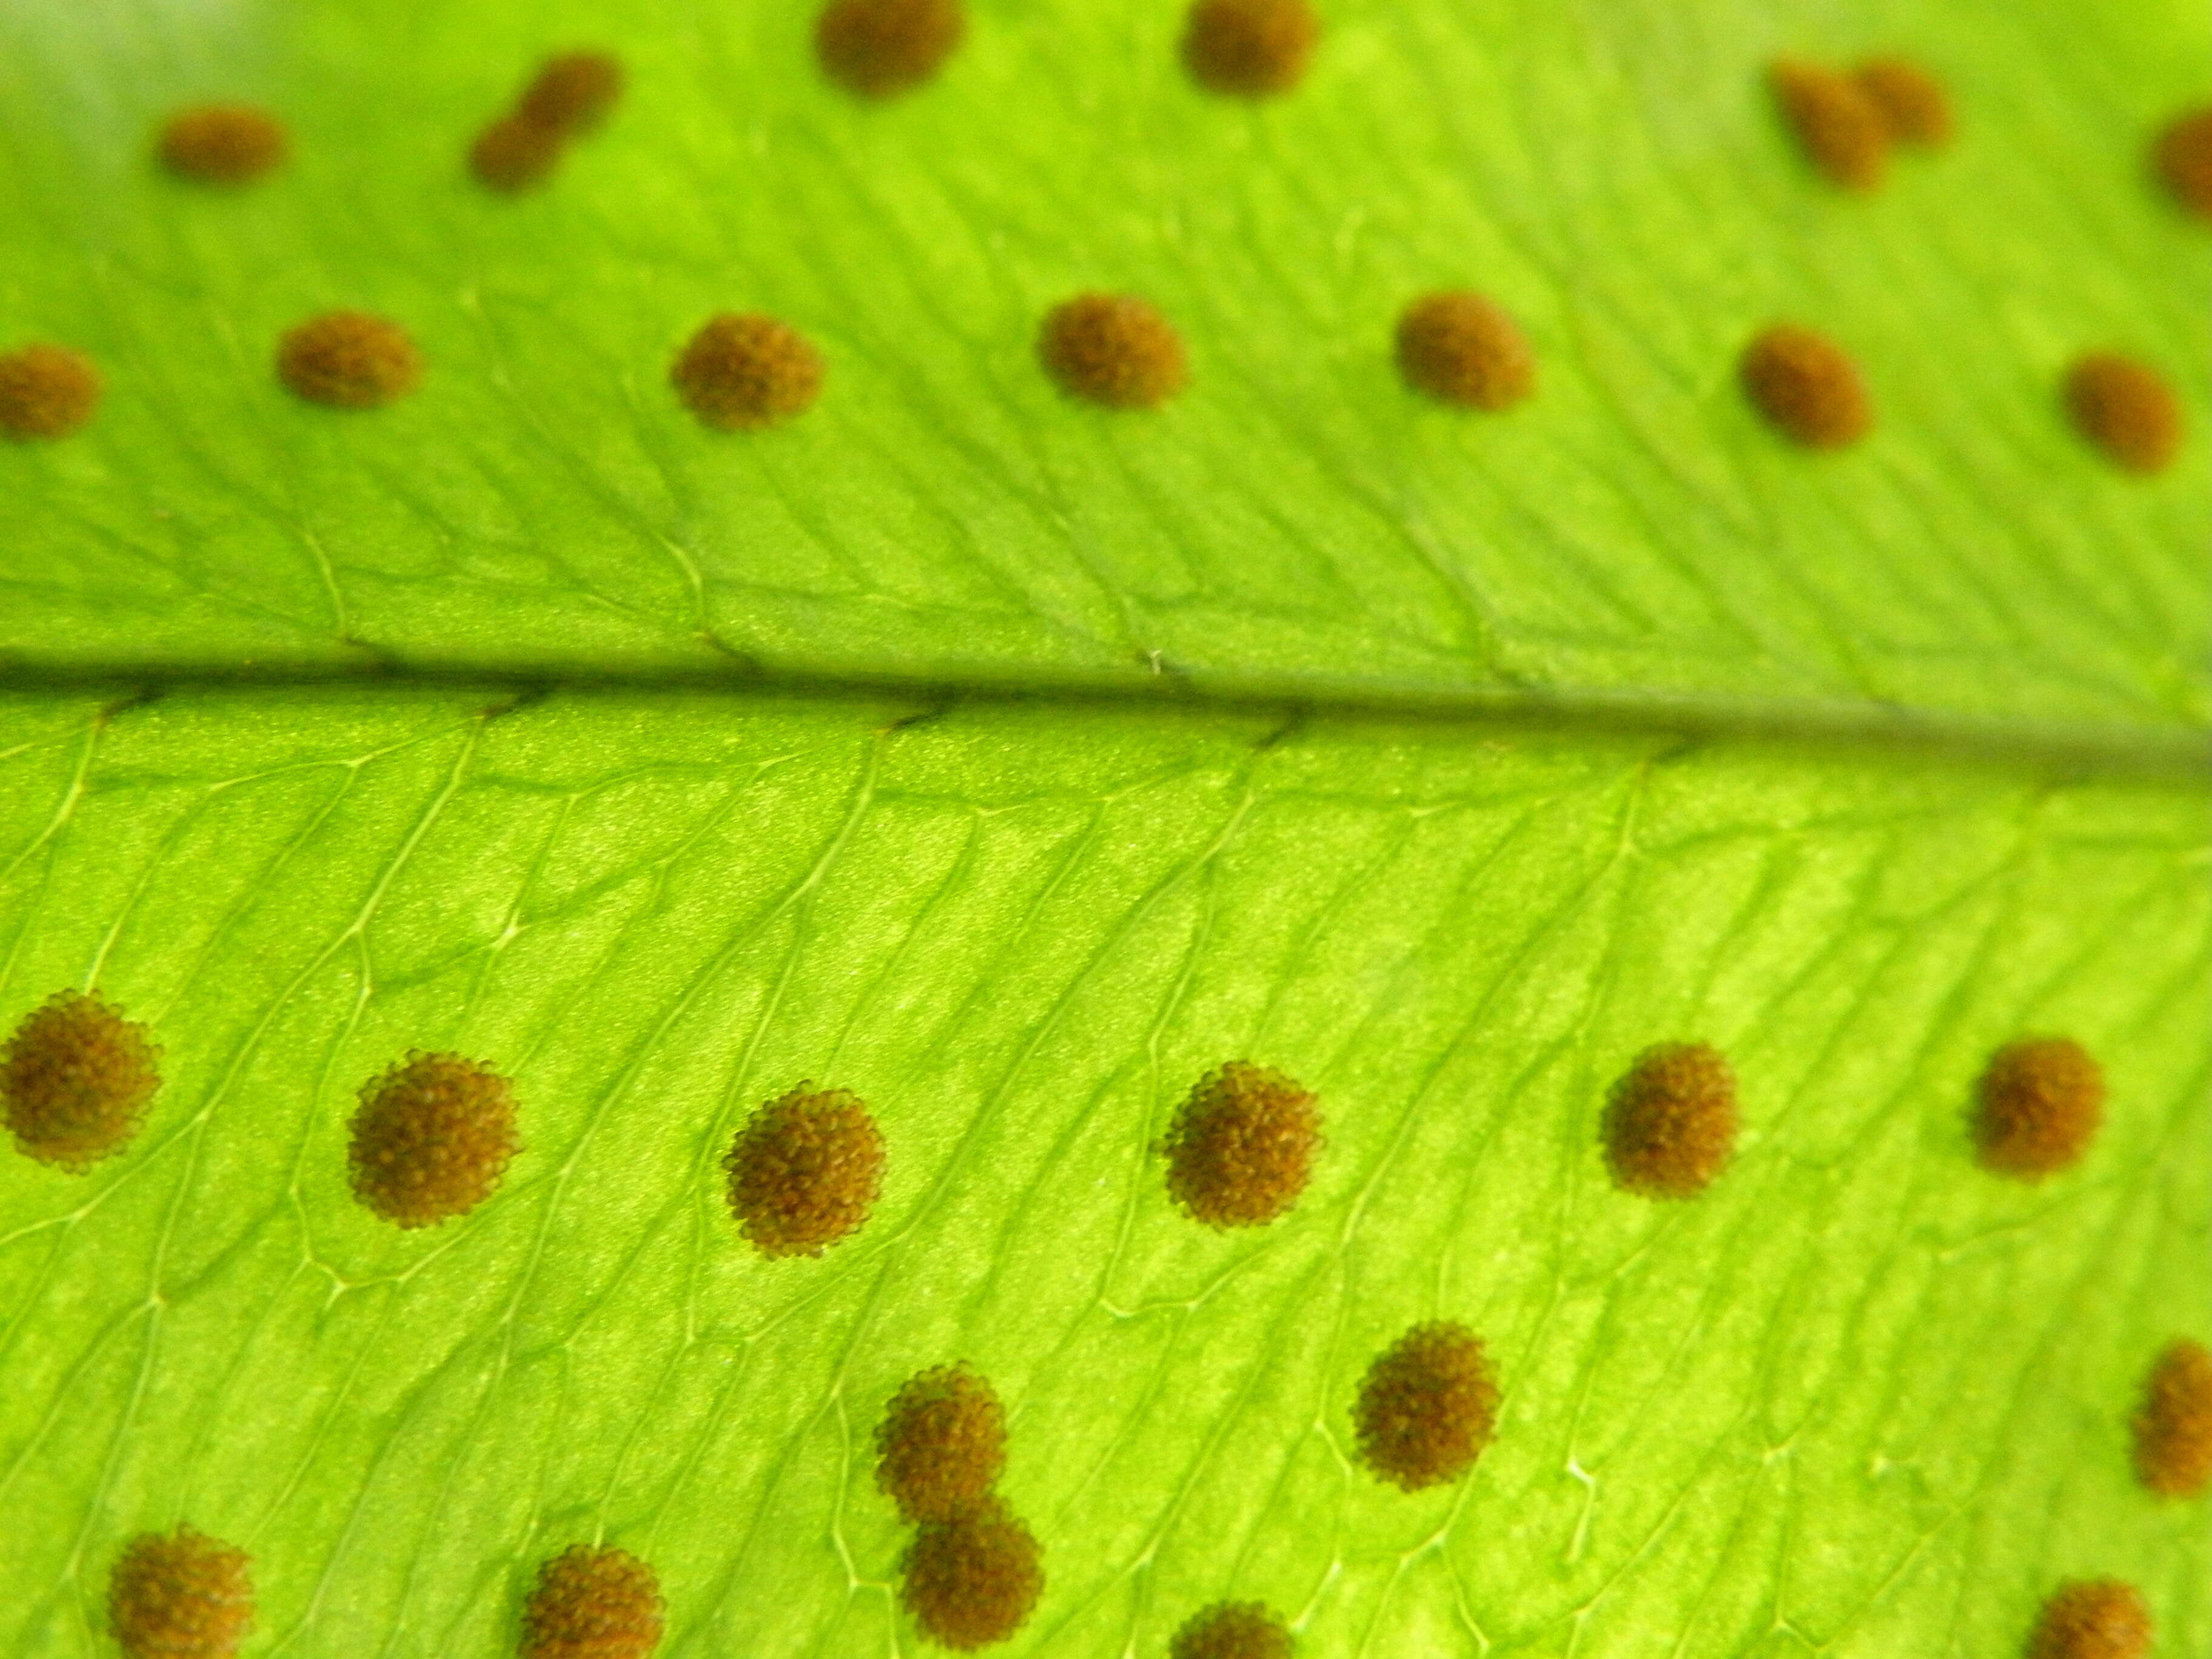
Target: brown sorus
(1670, 1120)
(226, 144)
(1233, 1630)
(743, 372)
(431, 1139)
(1914, 104)
(180, 1595)
(1113, 349)
(569, 96)
(879, 48)
(2182, 155)
(1241, 1147)
(2174, 1426)
(572, 93)
(592, 1604)
(2125, 409)
(1428, 1406)
(805, 1171)
(2038, 1106)
(1806, 386)
(1837, 124)
(942, 1444)
(46, 391)
(1248, 48)
(2091, 1618)
(1462, 348)
(514, 155)
(349, 360)
(74, 1080)
(973, 1580)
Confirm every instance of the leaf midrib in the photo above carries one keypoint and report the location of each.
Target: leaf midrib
(2177, 756)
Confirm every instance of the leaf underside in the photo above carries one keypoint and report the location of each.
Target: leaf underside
(1610, 173)
(1861, 1398)
(1808, 1411)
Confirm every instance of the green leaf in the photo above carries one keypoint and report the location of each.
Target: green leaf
(1613, 173)
(1013, 765)
(1861, 1398)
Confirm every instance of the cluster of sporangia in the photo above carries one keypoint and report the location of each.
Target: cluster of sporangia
(743, 371)
(434, 1134)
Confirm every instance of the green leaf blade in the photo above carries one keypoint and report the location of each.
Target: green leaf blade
(1805, 1411)
(1614, 177)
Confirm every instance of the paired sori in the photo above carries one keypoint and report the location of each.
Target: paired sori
(742, 371)
(432, 1135)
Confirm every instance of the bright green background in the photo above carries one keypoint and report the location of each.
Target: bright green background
(1862, 1400)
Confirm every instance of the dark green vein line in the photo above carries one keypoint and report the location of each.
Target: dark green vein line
(2178, 755)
